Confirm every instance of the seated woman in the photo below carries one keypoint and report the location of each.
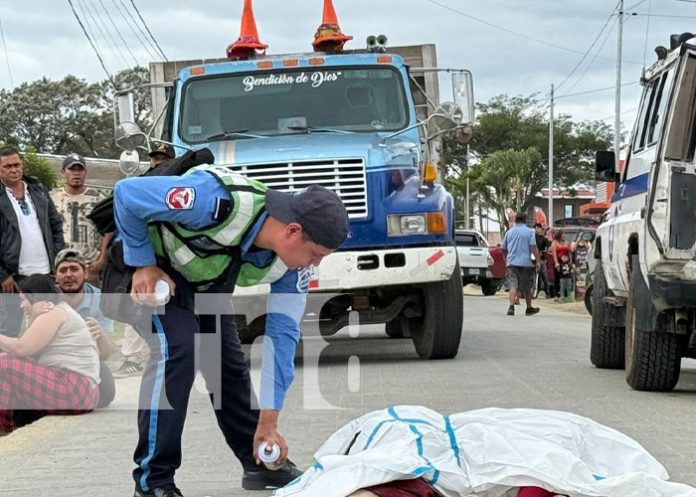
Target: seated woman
(53, 368)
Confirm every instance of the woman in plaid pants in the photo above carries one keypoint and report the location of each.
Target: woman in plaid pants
(53, 368)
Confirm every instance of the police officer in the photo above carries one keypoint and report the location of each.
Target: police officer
(204, 232)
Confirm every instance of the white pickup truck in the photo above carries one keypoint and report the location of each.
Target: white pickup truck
(479, 263)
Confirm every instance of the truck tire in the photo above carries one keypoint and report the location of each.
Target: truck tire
(437, 334)
(587, 298)
(607, 342)
(489, 287)
(395, 327)
(653, 357)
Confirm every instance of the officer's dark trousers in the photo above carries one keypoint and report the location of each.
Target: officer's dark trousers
(168, 379)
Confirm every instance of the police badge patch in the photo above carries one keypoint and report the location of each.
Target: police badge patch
(181, 198)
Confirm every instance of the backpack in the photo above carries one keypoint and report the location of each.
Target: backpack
(102, 214)
(117, 276)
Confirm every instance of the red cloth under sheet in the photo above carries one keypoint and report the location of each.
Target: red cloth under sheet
(404, 488)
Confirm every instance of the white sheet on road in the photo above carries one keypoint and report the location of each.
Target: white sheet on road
(487, 453)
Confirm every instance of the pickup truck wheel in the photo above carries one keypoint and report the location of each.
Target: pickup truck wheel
(489, 287)
(438, 333)
(653, 357)
(607, 342)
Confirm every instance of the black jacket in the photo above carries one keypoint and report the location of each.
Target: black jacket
(50, 222)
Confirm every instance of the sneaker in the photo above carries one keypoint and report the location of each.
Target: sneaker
(128, 368)
(262, 478)
(531, 311)
(164, 491)
(511, 310)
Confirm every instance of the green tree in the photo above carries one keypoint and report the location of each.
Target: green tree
(70, 115)
(518, 125)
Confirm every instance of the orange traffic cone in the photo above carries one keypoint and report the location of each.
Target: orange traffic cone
(329, 37)
(248, 42)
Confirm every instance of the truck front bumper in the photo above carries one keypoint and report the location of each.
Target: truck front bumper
(350, 270)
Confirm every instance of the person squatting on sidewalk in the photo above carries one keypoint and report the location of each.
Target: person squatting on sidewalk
(519, 245)
(53, 368)
(206, 231)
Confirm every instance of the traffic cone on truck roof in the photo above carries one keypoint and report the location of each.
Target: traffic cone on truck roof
(248, 42)
(329, 37)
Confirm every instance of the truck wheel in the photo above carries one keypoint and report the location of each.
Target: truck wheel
(438, 333)
(653, 357)
(489, 287)
(397, 328)
(587, 298)
(607, 342)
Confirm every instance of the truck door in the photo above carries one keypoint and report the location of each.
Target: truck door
(672, 200)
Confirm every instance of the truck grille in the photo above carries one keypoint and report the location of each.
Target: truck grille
(346, 177)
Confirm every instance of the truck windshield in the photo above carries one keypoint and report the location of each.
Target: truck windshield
(364, 99)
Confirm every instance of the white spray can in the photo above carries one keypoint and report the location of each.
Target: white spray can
(269, 455)
(162, 292)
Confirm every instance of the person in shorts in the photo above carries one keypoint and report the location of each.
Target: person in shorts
(522, 255)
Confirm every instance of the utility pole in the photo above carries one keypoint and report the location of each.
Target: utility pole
(617, 97)
(467, 224)
(550, 217)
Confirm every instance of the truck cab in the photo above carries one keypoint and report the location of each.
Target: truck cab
(644, 298)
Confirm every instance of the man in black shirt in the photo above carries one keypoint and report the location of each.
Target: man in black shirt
(543, 246)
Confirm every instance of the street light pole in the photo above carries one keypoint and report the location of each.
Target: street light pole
(550, 218)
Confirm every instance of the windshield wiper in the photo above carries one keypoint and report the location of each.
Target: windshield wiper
(241, 133)
(312, 129)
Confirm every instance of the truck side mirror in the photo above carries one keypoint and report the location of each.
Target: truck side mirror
(463, 89)
(605, 166)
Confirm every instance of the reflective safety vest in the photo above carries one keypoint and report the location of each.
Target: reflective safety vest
(204, 256)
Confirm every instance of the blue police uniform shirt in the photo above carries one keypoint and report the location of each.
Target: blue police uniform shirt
(89, 307)
(517, 242)
(139, 201)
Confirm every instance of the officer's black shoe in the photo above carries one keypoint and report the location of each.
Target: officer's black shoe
(262, 478)
(164, 491)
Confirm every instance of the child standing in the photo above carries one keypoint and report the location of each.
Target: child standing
(565, 277)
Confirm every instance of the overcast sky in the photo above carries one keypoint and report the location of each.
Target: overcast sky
(43, 38)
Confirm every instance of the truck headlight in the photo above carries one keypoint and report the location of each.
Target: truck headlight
(410, 224)
(417, 224)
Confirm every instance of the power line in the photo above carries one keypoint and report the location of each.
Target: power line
(118, 32)
(594, 58)
(85, 14)
(148, 30)
(133, 24)
(596, 90)
(587, 52)
(661, 15)
(647, 32)
(509, 31)
(88, 6)
(101, 61)
(613, 116)
(7, 57)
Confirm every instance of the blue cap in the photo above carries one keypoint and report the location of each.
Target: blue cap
(318, 210)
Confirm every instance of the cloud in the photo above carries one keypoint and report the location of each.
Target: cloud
(46, 40)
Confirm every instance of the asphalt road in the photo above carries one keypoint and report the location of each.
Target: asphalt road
(539, 361)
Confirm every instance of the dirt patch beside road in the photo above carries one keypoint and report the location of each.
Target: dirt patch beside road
(577, 307)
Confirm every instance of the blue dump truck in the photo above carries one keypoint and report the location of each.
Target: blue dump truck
(363, 124)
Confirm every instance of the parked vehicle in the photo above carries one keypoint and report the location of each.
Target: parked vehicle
(360, 123)
(479, 263)
(644, 298)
